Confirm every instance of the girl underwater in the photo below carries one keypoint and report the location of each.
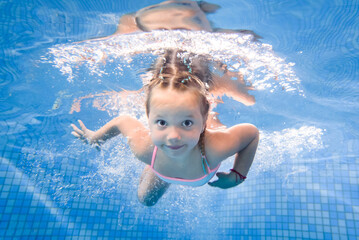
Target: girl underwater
(177, 146)
(183, 143)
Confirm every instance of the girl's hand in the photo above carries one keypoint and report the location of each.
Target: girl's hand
(84, 134)
(226, 180)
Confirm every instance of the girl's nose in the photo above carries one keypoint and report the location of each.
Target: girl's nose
(174, 134)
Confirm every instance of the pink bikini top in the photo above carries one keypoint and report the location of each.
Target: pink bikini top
(189, 182)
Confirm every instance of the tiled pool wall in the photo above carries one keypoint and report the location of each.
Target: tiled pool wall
(298, 201)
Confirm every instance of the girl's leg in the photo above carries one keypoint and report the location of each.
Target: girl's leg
(151, 187)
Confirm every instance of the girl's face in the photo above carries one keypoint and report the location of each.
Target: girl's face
(175, 121)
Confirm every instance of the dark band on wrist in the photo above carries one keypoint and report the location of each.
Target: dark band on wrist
(241, 177)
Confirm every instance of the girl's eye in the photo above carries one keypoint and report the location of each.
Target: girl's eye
(161, 123)
(187, 123)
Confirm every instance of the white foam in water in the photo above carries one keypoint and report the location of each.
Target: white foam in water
(115, 168)
(278, 147)
(255, 60)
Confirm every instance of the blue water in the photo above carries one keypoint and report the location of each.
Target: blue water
(304, 182)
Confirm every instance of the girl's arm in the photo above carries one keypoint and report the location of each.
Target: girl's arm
(241, 140)
(137, 135)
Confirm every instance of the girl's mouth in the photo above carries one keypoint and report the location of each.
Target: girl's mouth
(175, 147)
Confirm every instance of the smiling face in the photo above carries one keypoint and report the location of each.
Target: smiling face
(175, 121)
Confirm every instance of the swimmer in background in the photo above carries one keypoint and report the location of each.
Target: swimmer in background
(186, 15)
(173, 15)
(190, 15)
(178, 147)
(168, 15)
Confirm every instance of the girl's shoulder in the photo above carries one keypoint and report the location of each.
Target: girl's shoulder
(138, 138)
(225, 142)
(144, 153)
(214, 142)
(142, 146)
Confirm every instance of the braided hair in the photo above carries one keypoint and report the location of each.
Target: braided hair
(182, 71)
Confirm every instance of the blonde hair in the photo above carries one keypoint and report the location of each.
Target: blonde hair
(181, 71)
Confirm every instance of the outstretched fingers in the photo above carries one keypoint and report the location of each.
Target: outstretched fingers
(84, 134)
(82, 125)
(77, 132)
(80, 133)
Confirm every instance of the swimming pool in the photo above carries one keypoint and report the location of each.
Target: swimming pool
(303, 183)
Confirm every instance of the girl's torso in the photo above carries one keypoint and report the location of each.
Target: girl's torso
(197, 173)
